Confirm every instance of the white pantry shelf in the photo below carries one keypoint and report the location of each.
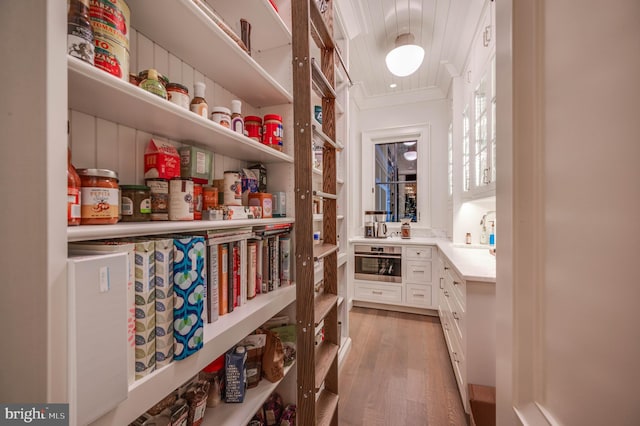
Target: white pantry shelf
(145, 111)
(342, 259)
(268, 30)
(219, 337)
(204, 45)
(230, 414)
(119, 230)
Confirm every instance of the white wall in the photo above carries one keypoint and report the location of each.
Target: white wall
(568, 201)
(434, 113)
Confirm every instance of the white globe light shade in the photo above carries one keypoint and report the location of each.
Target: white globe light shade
(411, 155)
(406, 58)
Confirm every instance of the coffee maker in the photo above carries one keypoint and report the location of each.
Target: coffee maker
(375, 225)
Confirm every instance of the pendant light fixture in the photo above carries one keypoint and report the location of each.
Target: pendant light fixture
(410, 155)
(406, 57)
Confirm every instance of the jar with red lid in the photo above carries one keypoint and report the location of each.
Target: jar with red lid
(272, 131)
(253, 127)
(99, 196)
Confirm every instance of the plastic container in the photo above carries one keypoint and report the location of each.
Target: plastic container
(253, 127)
(237, 122)
(222, 116)
(99, 196)
(272, 131)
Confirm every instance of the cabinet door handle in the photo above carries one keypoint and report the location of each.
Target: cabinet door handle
(377, 292)
(418, 270)
(441, 283)
(418, 295)
(446, 293)
(455, 316)
(456, 283)
(486, 36)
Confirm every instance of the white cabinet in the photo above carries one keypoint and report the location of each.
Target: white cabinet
(467, 314)
(418, 276)
(415, 293)
(478, 160)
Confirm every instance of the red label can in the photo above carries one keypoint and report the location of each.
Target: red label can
(272, 131)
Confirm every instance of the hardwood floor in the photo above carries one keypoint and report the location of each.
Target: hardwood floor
(397, 372)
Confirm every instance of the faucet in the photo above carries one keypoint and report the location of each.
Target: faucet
(483, 221)
(484, 238)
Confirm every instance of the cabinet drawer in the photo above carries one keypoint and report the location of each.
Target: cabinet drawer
(456, 285)
(418, 272)
(419, 295)
(418, 252)
(381, 293)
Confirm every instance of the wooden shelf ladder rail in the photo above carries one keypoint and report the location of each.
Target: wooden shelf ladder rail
(317, 366)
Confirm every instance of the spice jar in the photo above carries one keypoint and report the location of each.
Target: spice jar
(178, 94)
(222, 116)
(99, 196)
(136, 203)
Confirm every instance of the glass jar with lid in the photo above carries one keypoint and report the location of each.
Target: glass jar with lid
(99, 196)
(136, 203)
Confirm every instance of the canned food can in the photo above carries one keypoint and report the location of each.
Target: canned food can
(197, 201)
(209, 197)
(232, 188)
(111, 18)
(272, 131)
(180, 199)
(111, 56)
(159, 198)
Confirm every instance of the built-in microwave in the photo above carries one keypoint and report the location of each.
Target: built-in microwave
(378, 263)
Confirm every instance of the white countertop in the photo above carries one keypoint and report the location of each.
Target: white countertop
(472, 263)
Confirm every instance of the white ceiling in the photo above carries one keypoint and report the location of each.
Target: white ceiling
(444, 28)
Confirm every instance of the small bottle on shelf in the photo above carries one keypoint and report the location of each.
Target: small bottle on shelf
(237, 122)
(73, 193)
(198, 103)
